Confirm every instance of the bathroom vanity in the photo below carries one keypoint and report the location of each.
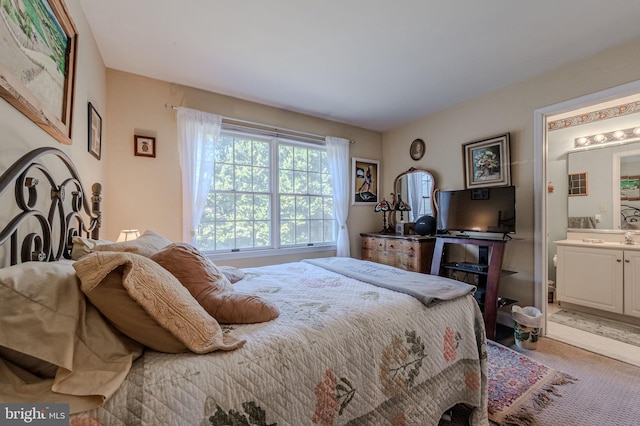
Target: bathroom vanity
(600, 272)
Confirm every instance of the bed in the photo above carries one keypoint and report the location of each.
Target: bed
(323, 341)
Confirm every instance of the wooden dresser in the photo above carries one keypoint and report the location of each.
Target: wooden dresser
(408, 252)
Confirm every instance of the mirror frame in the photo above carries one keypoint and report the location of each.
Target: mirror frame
(433, 187)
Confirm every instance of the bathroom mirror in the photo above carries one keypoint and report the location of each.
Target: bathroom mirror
(609, 202)
(416, 188)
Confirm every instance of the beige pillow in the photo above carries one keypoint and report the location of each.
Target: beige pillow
(152, 303)
(211, 288)
(83, 246)
(48, 329)
(147, 244)
(233, 274)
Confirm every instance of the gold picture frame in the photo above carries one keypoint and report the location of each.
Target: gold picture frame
(38, 77)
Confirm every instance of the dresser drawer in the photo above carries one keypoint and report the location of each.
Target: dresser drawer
(410, 253)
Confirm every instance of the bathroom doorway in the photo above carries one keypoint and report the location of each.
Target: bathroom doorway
(593, 113)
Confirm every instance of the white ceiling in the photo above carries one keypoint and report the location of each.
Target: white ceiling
(376, 64)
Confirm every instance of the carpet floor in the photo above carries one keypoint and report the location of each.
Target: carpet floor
(611, 329)
(606, 392)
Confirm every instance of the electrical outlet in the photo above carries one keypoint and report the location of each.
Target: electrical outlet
(598, 218)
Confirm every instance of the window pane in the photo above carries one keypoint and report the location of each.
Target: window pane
(262, 234)
(261, 154)
(287, 232)
(316, 231)
(285, 157)
(243, 152)
(262, 208)
(244, 234)
(225, 235)
(223, 177)
(286, 181)
(300, 183)
(243, 178)
(316, 208)
(244, 207)
(302, 207)
(315, 161)
(315, 183)
(261, 179)
(300, 160)
(302, 232)
(287, 207)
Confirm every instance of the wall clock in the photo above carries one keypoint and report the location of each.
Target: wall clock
(417, 149)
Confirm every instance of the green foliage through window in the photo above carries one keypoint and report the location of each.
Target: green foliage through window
(267, 193)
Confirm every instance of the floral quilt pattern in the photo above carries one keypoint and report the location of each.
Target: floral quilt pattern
(341, 352)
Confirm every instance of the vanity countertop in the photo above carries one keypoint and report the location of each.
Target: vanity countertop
(599, 243)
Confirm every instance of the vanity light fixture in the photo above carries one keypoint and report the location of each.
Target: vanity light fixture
(617, 136)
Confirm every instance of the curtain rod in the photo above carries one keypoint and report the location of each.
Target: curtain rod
(261, 126)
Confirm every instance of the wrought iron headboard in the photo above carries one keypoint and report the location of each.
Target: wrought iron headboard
(43, 221)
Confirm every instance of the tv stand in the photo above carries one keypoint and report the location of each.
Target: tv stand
(488, 269)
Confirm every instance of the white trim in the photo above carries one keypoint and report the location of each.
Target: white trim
(249, 254)
(541, 238)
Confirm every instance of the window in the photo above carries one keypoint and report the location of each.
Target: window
(267, 193)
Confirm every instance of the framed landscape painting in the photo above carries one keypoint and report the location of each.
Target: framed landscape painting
(38, 61)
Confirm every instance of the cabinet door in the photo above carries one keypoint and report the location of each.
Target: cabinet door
(591, 277)
(632, 283)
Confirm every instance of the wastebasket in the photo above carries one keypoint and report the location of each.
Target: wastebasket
(526, 329)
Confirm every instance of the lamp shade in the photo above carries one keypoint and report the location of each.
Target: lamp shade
(128, 235)
(383, 206)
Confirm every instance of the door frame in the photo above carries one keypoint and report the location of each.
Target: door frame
(541, 240)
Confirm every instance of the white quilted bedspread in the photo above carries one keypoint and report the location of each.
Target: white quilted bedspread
(341, 352)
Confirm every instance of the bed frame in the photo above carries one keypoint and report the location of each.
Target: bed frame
(45, 220)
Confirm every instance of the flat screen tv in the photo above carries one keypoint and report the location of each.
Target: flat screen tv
(490, 210)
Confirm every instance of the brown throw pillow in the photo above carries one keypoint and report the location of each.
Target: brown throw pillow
(211, 288)
(148, 304)
(147, 244)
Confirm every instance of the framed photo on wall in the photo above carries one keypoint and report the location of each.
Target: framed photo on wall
(38, 77)
(487, 162)
(365, 175)
(144, 146)
(95, 132)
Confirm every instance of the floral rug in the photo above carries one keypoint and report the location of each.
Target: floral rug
(616, 330)
(519, 387)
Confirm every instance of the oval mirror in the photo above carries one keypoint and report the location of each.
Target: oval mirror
(415, 187)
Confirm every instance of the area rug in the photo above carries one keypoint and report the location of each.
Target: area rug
(611, 329)
(519, 387)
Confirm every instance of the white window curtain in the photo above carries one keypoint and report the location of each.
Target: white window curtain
(338, 156)
(415, 194)
(198, 133)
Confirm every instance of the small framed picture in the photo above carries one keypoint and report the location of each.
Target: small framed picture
(417, 149)
(95, 132)
(144, 146)
(487, 162)
(364, 181)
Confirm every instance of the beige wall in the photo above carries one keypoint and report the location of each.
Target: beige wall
(145, 193)
(20, 135)
(508, 110)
